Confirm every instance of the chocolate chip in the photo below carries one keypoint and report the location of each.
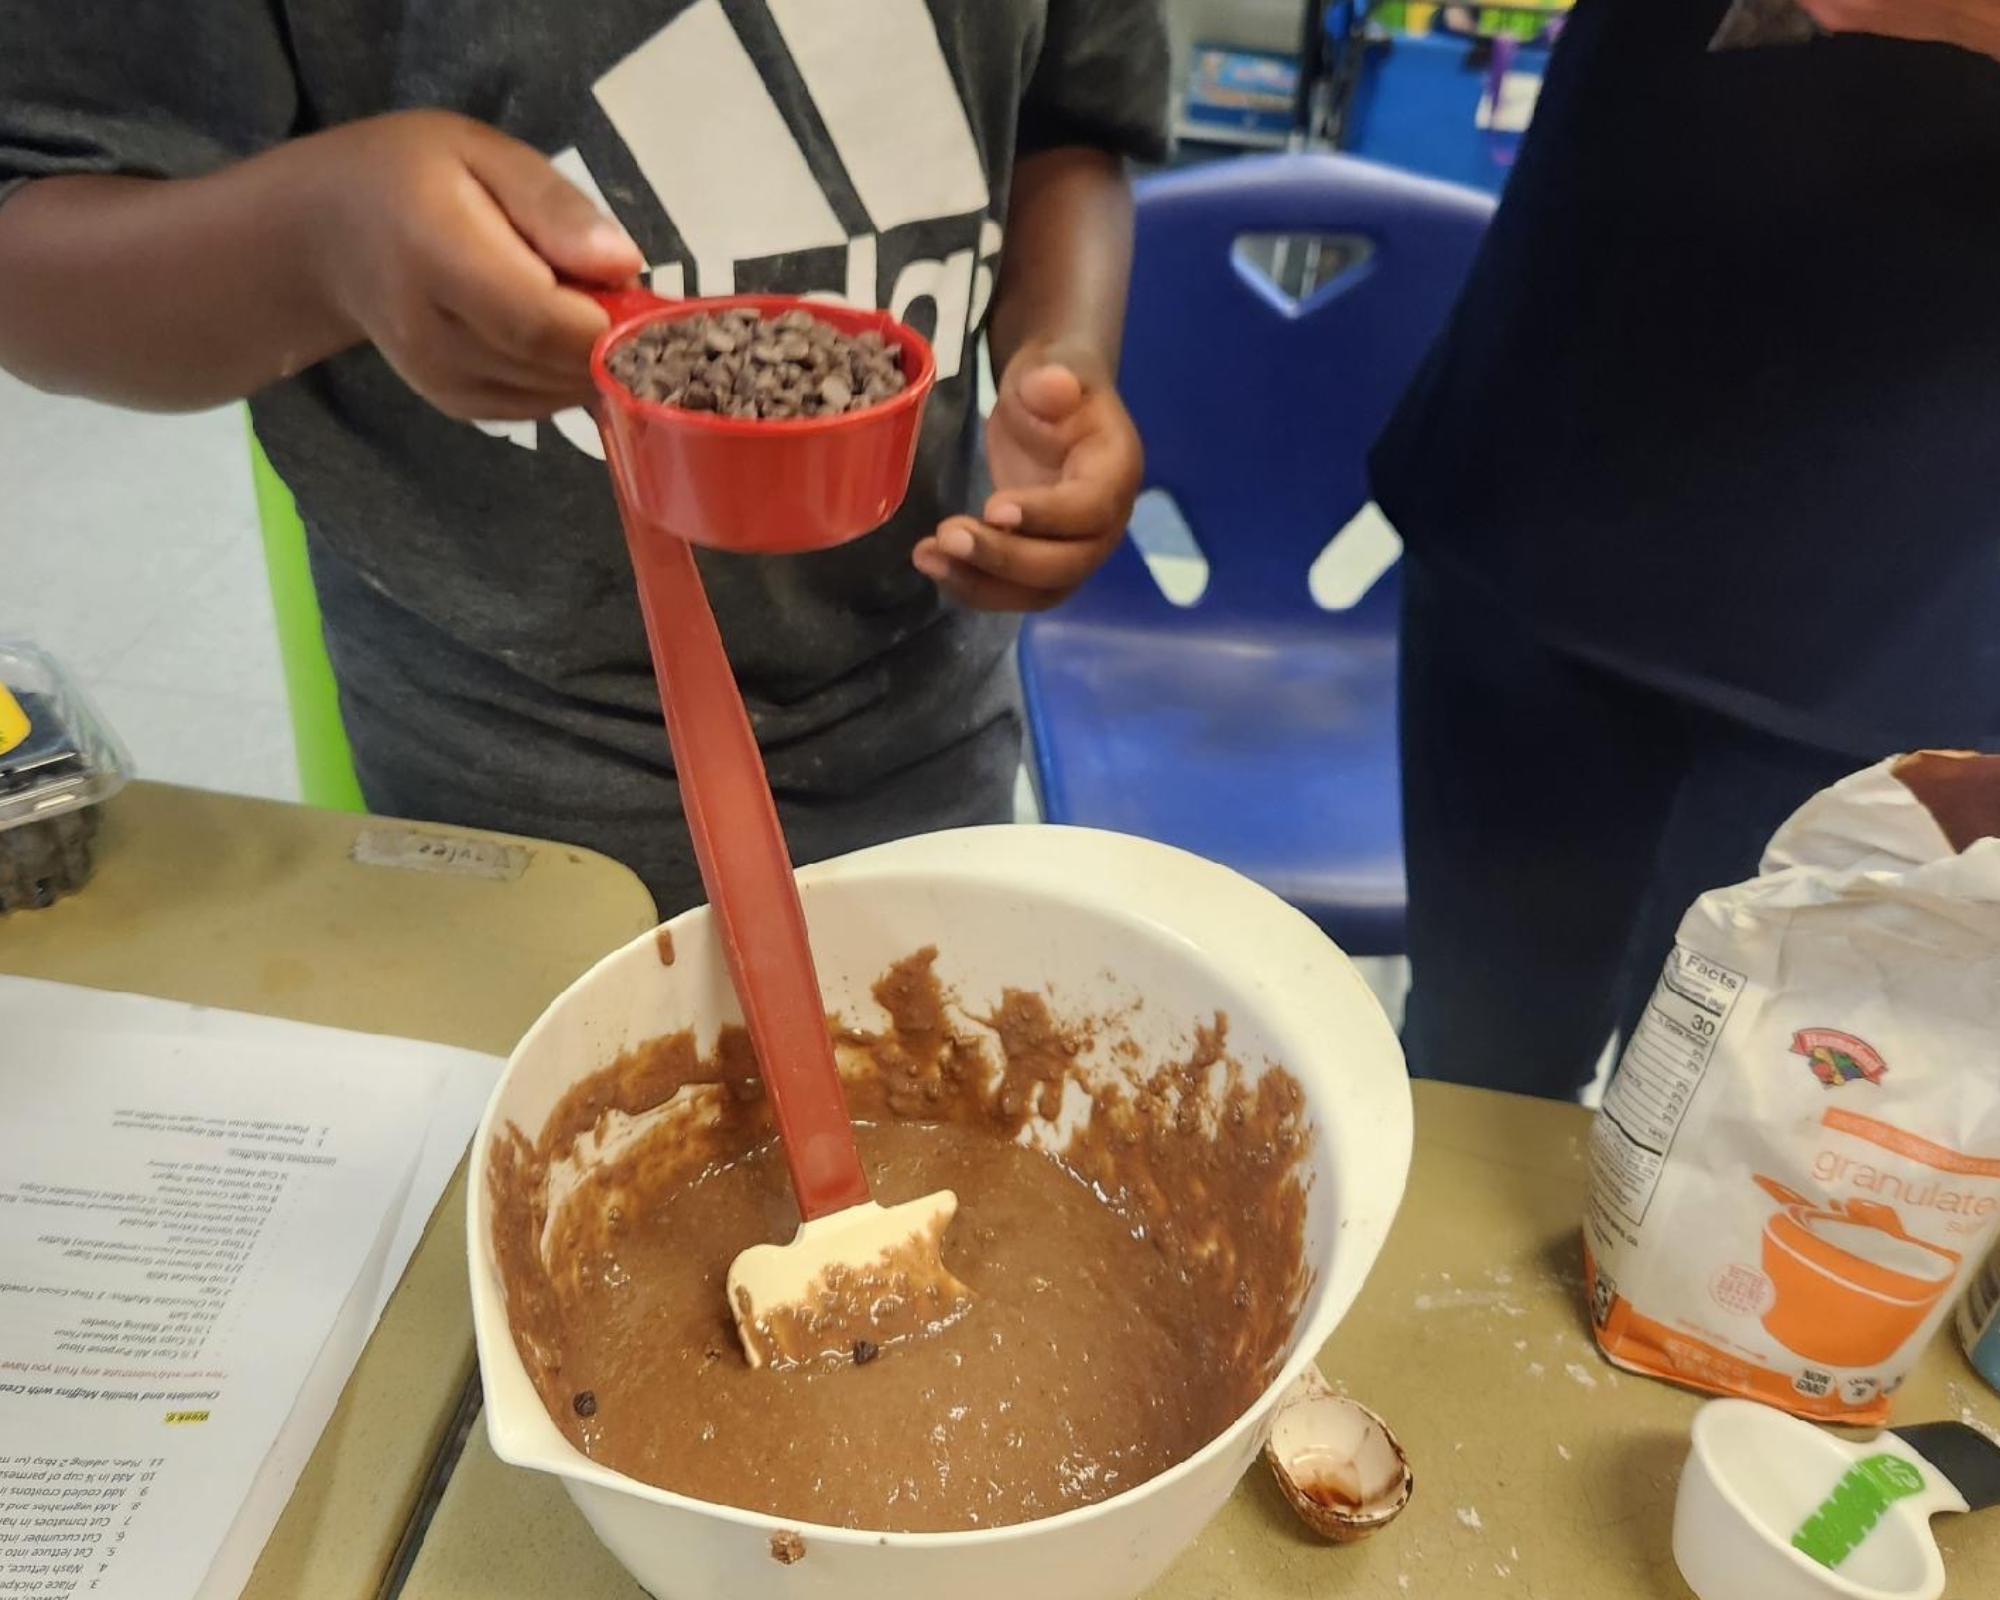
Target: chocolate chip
(742, 365)
(585, 1403)
(864, 1352)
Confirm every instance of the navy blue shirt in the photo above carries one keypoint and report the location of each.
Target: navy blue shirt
(1720, 405)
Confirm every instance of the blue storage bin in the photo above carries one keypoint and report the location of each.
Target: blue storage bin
(1244, 96)
(1417, 100)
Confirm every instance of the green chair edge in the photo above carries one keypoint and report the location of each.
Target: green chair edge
(319, 738)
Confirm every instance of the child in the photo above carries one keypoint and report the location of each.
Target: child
(356, 214)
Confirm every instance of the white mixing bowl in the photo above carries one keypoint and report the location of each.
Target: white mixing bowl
(1096, 920)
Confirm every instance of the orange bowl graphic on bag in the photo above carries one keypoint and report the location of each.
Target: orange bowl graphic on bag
(1850, 1284)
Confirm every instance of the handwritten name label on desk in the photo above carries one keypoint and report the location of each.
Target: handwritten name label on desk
(452, 854)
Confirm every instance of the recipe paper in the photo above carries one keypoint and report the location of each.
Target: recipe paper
(202, 1215)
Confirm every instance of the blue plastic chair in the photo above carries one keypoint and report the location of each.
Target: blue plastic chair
(1254, 727)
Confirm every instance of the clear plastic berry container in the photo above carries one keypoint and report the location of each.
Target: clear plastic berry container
(59, 762)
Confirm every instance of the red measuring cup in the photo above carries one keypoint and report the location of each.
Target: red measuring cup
(740, 484)
(747, 485)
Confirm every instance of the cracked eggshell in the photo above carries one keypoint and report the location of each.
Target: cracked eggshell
(1338, 1464)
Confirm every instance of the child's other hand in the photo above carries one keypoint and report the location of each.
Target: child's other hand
(1066, 467)
(1969, 24)
(441, 241)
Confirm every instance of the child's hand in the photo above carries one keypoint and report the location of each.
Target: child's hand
(1969, 24)
(1066, 467)
(441, 243)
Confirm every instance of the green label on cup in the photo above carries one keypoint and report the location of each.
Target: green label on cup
(1860, 1500)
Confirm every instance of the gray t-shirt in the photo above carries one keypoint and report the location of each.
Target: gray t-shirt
(478, 603)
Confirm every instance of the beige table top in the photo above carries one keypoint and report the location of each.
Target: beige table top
(258, 907)
(1541, 1472)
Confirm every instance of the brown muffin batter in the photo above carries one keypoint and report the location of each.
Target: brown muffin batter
(1135, 1288)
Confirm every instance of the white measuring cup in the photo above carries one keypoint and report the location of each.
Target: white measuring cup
(1763, 1491)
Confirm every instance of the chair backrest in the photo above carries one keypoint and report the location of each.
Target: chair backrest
(319, 738)
(1257, 411)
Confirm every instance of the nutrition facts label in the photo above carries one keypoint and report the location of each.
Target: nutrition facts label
(1663, 1066)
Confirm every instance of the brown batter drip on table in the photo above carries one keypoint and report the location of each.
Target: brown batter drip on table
(1136, 1285)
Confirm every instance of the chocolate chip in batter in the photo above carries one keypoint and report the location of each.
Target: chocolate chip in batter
(864, 1352)
(585, 1403)
(741, 364)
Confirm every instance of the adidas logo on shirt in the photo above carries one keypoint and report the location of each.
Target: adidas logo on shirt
(887, 207)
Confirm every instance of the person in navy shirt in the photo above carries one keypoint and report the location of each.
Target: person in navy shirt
(1700, 490)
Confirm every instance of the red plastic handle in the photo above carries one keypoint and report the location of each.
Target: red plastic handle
(744, 866)
(630, 301)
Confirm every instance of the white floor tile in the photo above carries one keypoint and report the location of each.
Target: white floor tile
(205, 741)
(1593, 1092)
(129, 548)
(85, 583)
(216, 635)
(1027, 804)
(1389, 978)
